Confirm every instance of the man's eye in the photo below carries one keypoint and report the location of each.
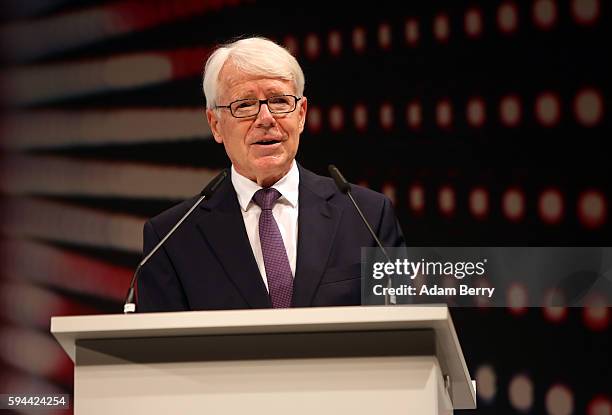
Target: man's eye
(247, 104)
(279, 100)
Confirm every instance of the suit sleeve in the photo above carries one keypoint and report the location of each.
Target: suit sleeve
(389, 230)
(391, 236)
(159, 288)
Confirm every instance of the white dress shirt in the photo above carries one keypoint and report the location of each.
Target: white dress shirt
(285, 212)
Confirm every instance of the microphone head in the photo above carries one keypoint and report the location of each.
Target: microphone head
(213, 185)
(341, 182)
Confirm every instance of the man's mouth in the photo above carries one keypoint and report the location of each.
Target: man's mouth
(267, 141)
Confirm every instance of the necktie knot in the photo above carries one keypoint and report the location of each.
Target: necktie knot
(266, 198)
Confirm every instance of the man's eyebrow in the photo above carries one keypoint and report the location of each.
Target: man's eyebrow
(250, 94)
(245, 95)
(275, 91)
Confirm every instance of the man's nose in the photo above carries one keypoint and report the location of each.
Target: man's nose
(265, 117)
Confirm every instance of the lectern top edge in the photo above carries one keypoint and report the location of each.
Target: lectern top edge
(243, 321)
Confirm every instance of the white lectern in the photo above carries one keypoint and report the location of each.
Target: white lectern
(331, 360)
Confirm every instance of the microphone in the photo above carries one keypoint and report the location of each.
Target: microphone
(345, 187)
(129, 306)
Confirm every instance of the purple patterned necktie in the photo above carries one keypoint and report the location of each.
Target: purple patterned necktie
(276, 262)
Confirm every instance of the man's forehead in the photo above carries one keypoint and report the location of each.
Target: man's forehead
(233, 81)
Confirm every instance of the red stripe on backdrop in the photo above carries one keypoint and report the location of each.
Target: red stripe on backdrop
(138, 15)
(31, 38)
(60, 80)
(47, 128)
(36, 353)
(31, 261)
(27, 304)
(187, 62)
(13, 381)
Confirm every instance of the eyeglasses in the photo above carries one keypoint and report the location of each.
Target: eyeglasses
(279, 104)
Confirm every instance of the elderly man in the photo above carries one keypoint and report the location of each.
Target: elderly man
(275, 234)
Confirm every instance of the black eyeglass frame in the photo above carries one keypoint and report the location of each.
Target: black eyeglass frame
(261, 102)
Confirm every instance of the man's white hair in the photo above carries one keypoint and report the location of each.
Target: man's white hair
(254, 56)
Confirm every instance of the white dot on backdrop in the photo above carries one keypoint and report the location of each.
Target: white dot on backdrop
(482, 301)
(473, 22)
(507, 17)
(559, 400)
(291, 44)
(479, 202)
(592, 208)
(314, 119)
(411, 31)
(334, 42)
(336, 118)
(441, 27)
(510, 110)
(360, 116)
(550, 206)
(384, 36)
(596, 313)
(588, 107)
(386, 116)
(548, 109)
(417, 198)
(513, 204)
(359, 39)
(585, 12)
(600, 405)
(389, 190)
(520, 393)
(517, 298)
(476, 112)
(449, 283)
(414, 116)
(554, 306)
(545, 13)
(444, 113)
(312, 46)
(446, 200)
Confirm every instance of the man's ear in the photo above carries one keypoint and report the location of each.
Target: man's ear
(213, 122)
(302, 113)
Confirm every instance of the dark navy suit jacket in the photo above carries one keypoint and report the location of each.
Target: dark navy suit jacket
(208, 264)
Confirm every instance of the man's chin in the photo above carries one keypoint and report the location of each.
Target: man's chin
(271, 168)
(271, 163)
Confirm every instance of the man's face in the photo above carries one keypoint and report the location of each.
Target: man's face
(261, 147)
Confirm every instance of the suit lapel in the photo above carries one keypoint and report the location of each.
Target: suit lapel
(222, 226)
(317, 225)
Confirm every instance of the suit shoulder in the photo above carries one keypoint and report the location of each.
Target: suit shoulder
(327, 185)
(166, 219)
(367, 194)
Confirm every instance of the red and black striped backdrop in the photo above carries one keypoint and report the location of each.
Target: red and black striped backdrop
(484, 121)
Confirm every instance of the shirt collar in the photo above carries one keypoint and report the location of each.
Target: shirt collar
(288, 187)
